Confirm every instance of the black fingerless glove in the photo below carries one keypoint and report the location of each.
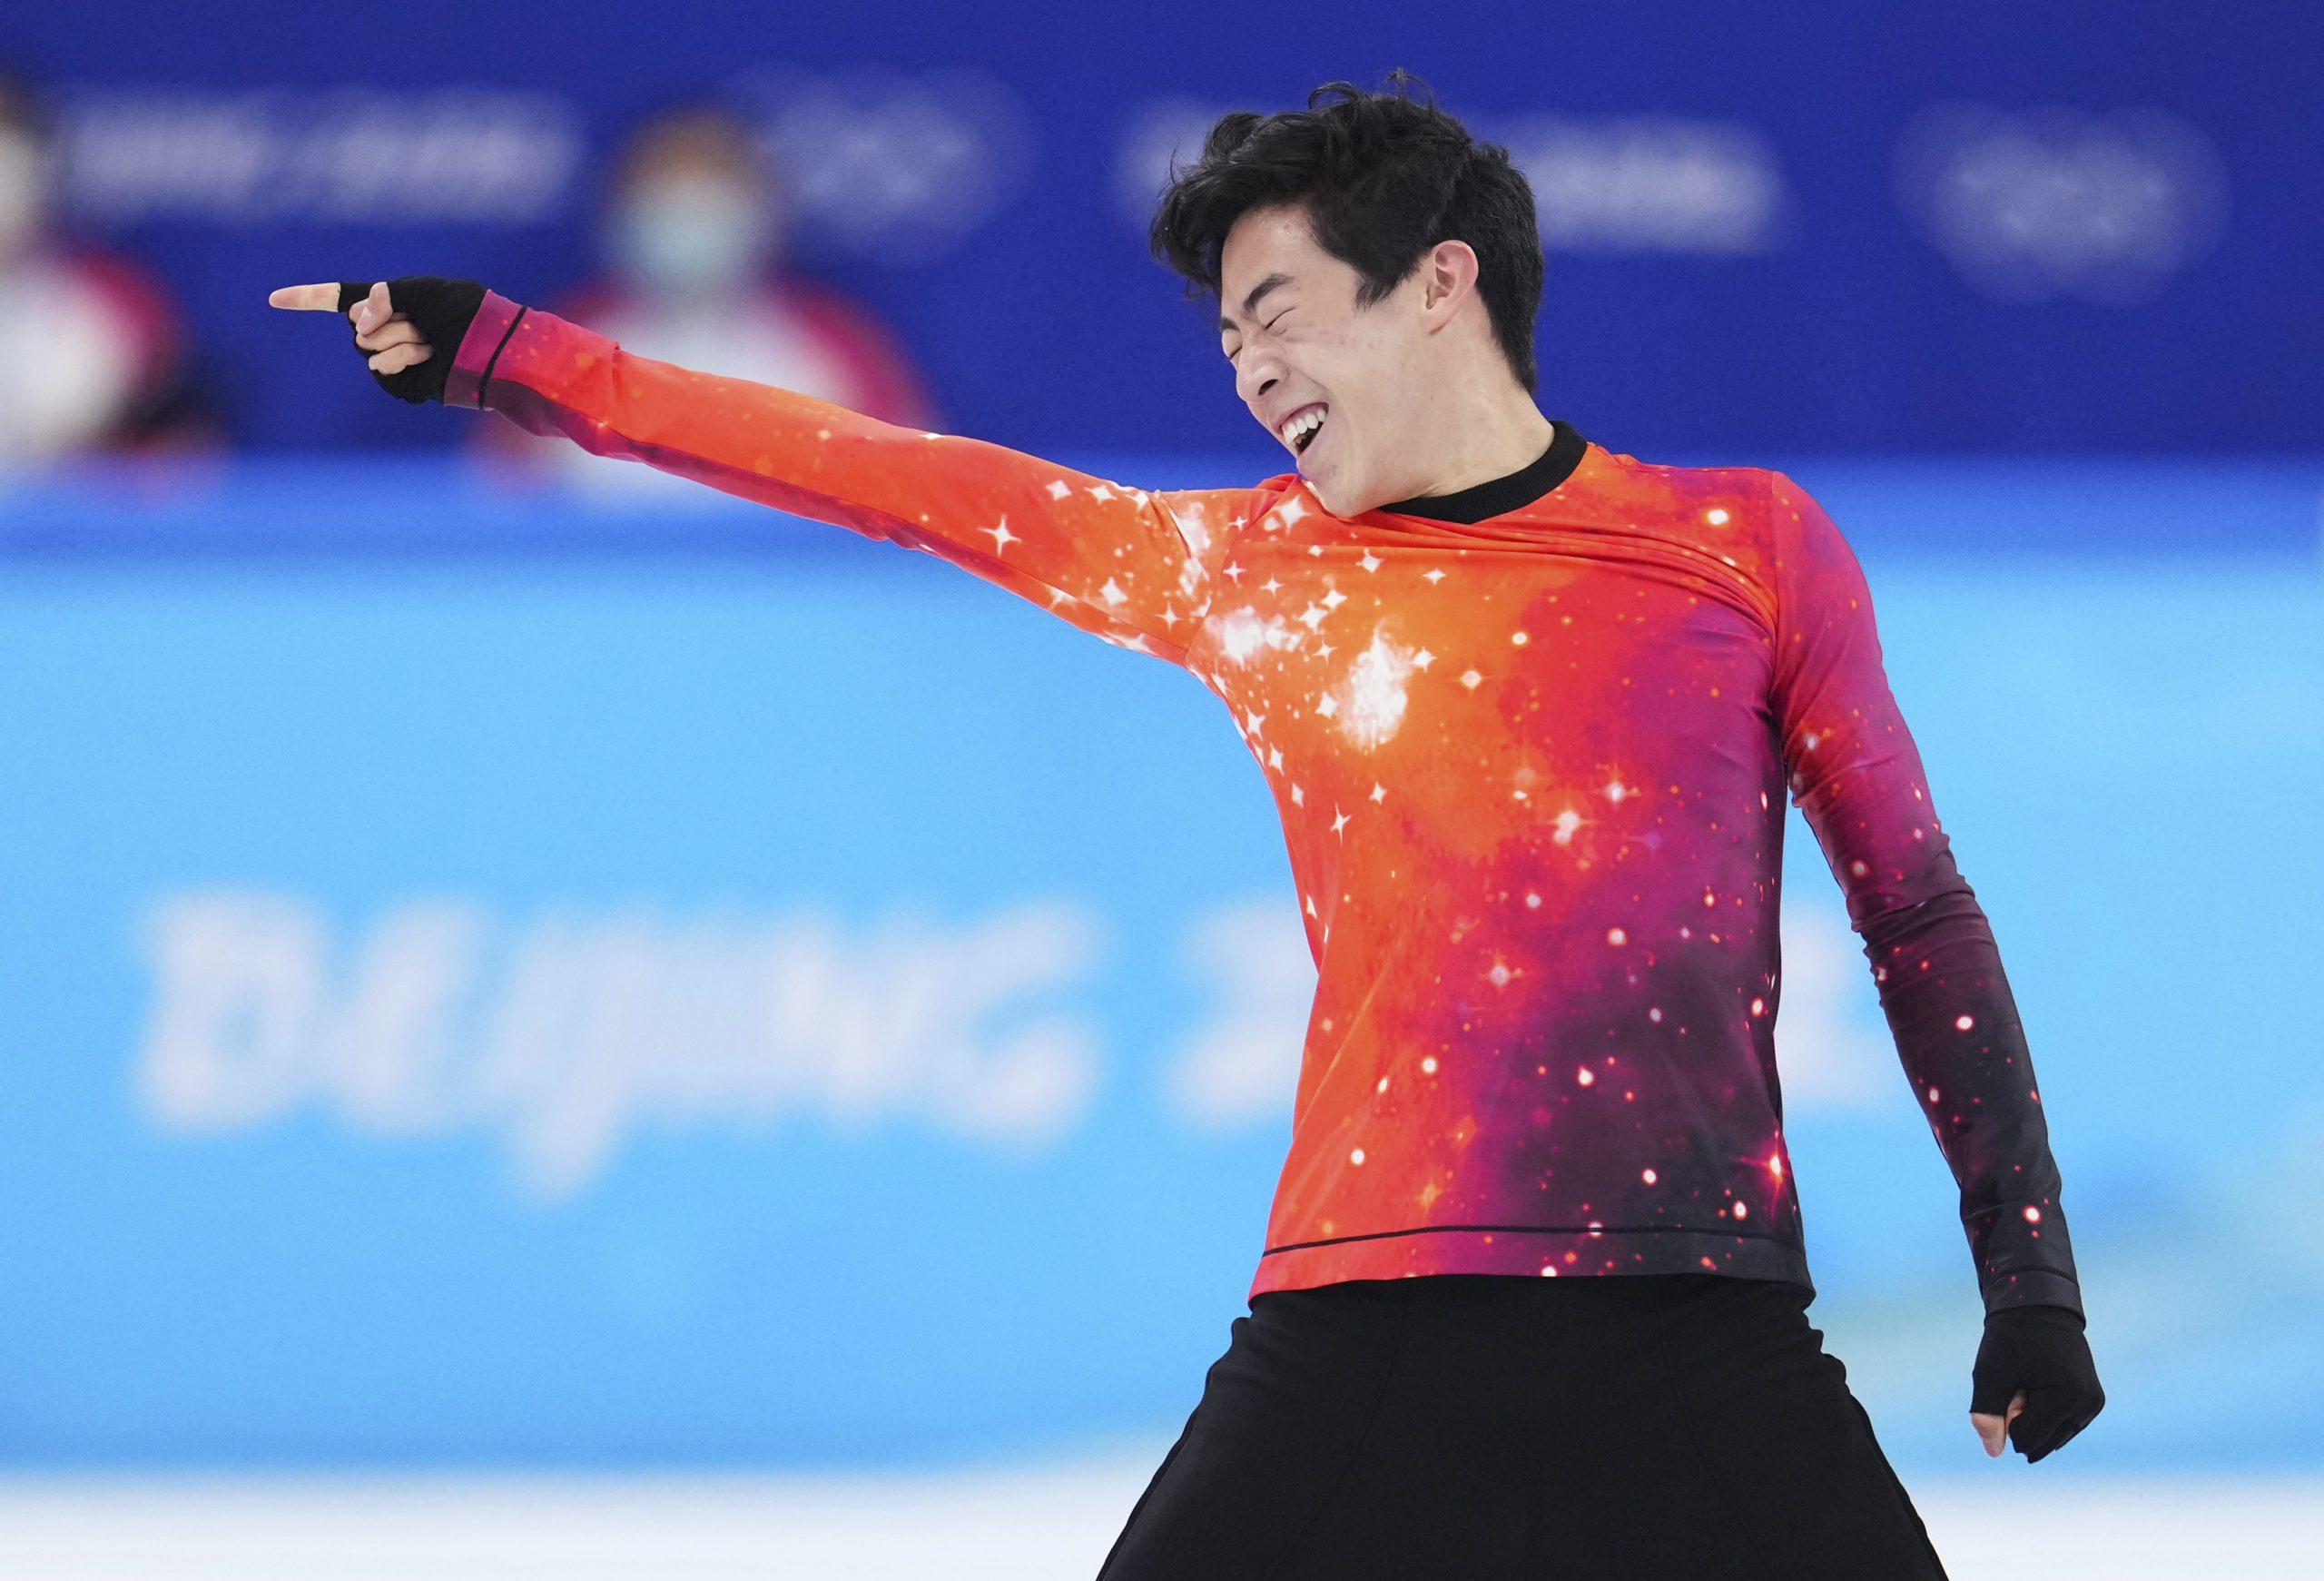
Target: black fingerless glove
(2042, 1350)
(440, 310)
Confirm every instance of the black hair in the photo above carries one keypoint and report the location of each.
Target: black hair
(1382, 179)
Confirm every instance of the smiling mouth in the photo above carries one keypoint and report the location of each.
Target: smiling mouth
(1300, 430)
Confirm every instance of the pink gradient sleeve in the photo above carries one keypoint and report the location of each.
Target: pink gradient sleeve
(1856, 777)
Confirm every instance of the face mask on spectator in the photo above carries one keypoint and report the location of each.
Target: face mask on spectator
(691, 235)
(20, 194)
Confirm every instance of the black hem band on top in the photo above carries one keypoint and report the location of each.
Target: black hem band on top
(1593, 1230)
(1503, 495)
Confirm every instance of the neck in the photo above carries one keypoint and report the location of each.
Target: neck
(1478, 434)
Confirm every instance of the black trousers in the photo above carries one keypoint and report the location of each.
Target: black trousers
(1623, 1428)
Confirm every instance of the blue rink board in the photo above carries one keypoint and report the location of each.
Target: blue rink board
(371, 894)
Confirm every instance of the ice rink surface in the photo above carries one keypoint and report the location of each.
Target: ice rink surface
(1029, 1524)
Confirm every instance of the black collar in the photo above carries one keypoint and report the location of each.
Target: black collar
(1503, 495)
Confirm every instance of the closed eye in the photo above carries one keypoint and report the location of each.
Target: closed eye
(1269, 326)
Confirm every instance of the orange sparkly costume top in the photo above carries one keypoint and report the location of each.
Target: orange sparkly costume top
(1531, 772)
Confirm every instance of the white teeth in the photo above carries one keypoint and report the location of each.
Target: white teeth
(1297, 427)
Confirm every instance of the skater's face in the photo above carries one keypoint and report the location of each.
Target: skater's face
(1301, 345)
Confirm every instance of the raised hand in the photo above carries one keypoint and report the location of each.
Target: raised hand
(391, 338)
(408, 328)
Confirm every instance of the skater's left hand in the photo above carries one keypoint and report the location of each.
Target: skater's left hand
(2035, 1381)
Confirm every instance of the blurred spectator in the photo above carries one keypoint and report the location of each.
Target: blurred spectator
(694, 235)
(91, 353)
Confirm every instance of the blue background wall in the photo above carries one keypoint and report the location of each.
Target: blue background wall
(1824, 226)
(381, 916)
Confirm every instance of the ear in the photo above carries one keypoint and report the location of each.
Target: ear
(1448, 277)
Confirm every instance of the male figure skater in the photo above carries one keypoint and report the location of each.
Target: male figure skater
(1532, 1301)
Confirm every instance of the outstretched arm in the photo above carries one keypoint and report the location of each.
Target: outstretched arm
(1129, 565)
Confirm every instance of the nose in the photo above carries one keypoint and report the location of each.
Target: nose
(1256, 374)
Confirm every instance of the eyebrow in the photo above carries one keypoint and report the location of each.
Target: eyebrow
(1251, 301)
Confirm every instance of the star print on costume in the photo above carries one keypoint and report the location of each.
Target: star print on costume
(1548, 981)
(1375, 694)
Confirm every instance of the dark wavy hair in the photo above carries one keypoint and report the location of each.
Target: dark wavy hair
(1382, 178)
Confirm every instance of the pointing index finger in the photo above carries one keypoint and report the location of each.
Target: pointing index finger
(309, 299)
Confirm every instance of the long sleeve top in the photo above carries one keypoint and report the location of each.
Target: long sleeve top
(1531, 769)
